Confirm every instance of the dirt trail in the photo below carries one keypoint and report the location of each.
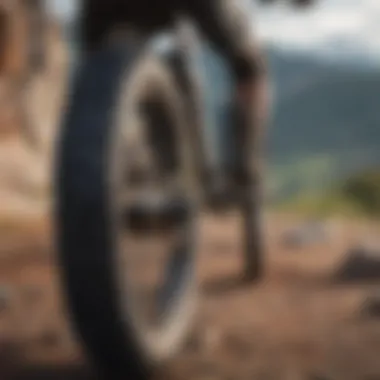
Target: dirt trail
(297, 324)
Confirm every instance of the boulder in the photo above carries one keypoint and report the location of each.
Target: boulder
(304, 235)
(362, 263)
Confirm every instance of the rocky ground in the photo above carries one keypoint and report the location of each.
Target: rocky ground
(24, 170)
(302, 322)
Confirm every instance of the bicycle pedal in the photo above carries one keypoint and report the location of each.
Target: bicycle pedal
(149, 215)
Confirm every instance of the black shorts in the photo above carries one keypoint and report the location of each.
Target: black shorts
(224, 22)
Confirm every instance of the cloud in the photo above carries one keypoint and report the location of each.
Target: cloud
(332, 26)
(63, 9)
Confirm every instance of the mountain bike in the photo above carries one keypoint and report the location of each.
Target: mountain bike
(140, 127)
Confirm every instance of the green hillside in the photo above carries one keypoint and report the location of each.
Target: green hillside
(359, 195)
(325, 126)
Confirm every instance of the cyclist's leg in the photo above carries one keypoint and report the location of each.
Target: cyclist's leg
(229, 26)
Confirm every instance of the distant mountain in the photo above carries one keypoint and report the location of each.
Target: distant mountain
(326, 121)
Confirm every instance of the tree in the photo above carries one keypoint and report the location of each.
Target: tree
(364, 190)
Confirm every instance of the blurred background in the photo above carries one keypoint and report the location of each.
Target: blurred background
(317, 314)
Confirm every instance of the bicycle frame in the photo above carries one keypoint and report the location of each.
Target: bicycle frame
(207, 85)
(211, 96)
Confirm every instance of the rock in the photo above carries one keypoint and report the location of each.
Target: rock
(371, 307)
(5, 297)
(362, 263)
(310, 233)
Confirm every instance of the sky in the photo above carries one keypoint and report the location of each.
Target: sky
(341, 28)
